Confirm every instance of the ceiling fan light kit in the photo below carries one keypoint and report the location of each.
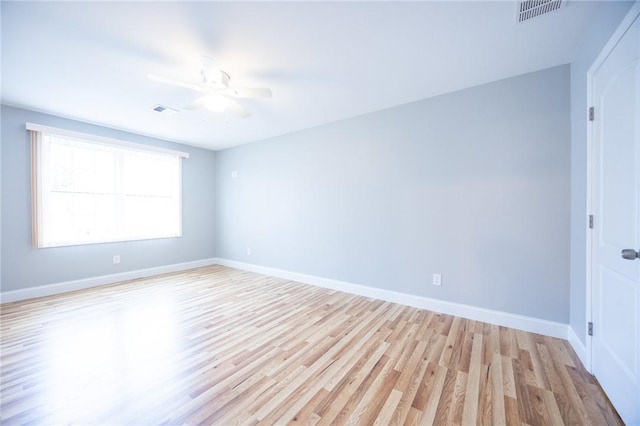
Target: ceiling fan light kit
(216, 102)
(219, 95)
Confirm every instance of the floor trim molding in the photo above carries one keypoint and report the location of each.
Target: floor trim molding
(56, 288)
(578, 346)
(521, 322)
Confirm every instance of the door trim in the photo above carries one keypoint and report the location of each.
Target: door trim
(622, 28)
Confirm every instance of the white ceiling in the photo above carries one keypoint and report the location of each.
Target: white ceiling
(324, 61)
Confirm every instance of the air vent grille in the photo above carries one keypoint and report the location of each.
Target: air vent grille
(164, 110)
(529, 9)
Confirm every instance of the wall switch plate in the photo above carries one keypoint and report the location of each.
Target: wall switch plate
(437, 279)
(116, 259)
(248, 251)
(234, 174)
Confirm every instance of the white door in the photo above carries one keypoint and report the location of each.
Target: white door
(616, 206)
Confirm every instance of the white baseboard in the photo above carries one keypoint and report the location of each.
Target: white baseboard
(533, 325)
(50, 289)
(579, 347)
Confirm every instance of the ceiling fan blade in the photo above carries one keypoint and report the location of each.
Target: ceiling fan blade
(237, 109)
(172, 82)
(249, 92)
(197, 104)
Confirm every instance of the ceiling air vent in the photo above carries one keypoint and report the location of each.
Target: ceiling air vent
(164, 110)
(529, 9)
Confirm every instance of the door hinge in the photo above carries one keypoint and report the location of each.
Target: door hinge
(591, 114)
(590, 221)
(590, 329)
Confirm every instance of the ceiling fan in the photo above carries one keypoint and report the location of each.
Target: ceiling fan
(218, 95)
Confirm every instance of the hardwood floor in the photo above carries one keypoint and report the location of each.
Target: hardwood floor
(220, 346)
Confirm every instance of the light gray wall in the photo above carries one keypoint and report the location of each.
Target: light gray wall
(604, 23)
(473, 185)
(24, 266)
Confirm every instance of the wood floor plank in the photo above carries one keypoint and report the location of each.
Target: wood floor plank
(459, 395)
(485, 408)
(497, 391)
(512, 414)
(445, 404)
(434, 392)
(349, 385)
(409, 382)
(470, 410)
(215, 345)
(388, 409)
(524, 399)
(358, 394)
(555, 417)
(508, 379)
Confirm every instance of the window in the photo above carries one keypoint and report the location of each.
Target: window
(88, 189)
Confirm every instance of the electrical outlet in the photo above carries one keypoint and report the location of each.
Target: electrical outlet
(437, 279)
(248, 251)
(116, 259)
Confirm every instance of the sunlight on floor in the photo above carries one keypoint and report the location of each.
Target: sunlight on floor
(110, 359)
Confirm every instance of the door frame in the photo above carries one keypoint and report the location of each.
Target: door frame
(602, 56)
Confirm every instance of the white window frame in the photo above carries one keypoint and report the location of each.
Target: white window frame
(36, 131)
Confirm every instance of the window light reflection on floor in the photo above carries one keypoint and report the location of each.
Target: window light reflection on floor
(110, 361)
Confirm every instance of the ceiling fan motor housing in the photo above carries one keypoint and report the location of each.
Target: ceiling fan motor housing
(216, 78)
